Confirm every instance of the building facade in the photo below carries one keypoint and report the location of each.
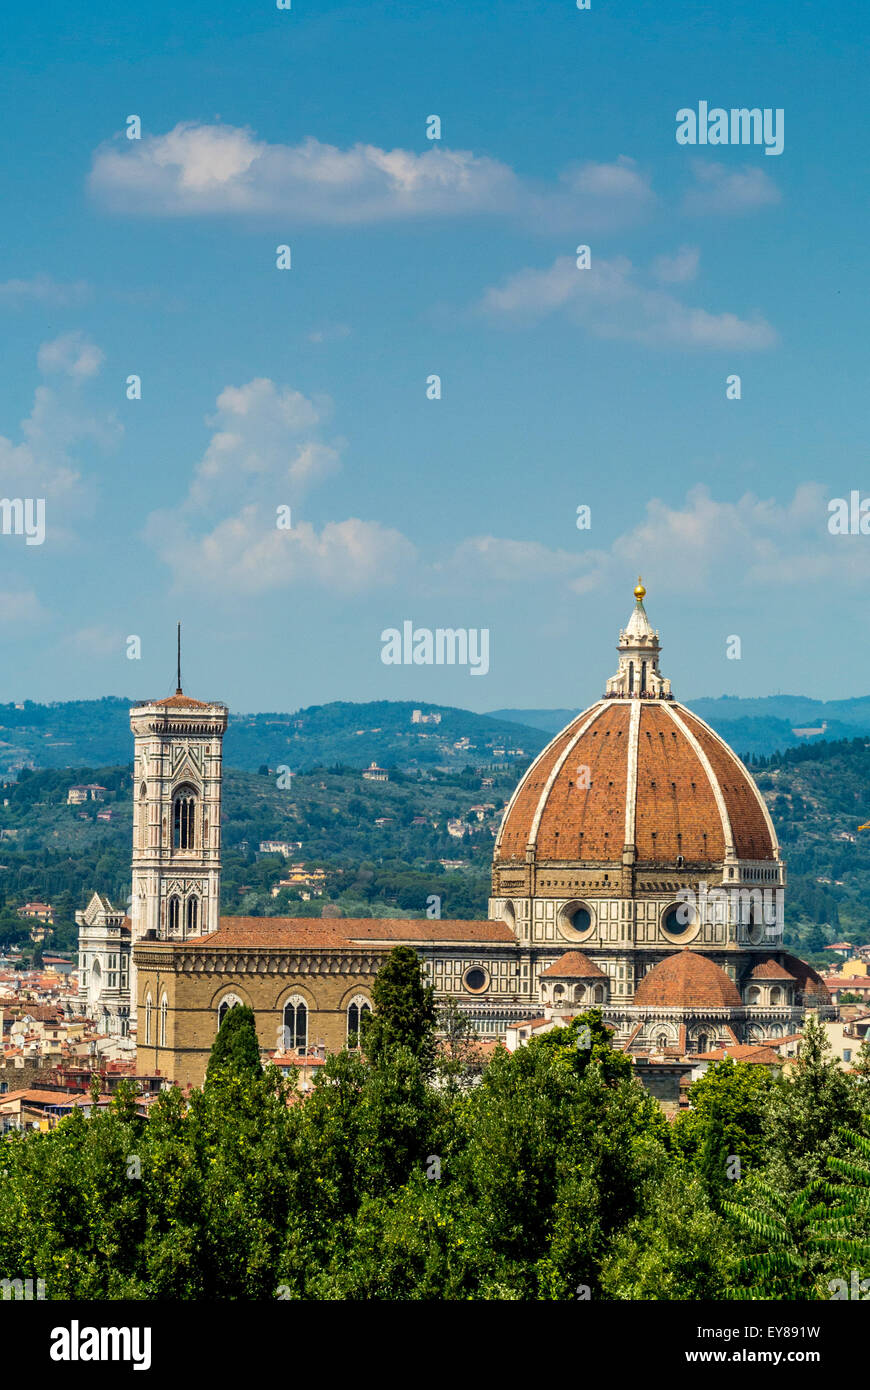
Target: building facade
(636, 835)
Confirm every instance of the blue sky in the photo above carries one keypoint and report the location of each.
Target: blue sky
(307, 387)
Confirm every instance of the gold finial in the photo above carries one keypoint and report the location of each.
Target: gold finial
(639, 590)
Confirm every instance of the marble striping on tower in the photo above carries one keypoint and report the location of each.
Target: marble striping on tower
(176, 817)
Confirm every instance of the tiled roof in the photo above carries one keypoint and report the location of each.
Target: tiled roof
(573, 965)
(742, 1052)
(770, 970)
(339, 931)
(676, 810)
(809, 980)
(687, 979)
(180, 702)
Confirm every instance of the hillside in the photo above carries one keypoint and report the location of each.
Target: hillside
(381, 844)
(96, 733)
(751, 726)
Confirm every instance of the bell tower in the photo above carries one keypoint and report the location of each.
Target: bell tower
(176, 816)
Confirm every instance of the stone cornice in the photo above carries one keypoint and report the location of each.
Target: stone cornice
(202, 959)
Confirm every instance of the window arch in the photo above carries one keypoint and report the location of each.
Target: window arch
(703, 1042)
(775, 996)
(184, 818)
(661, 1041)
(164, 1013)
(358, 1006)
(192, 915)
(227, 1003)
(599, 994)
(148, 1007)
(173, 915)
(753, 995)
(296, 1024)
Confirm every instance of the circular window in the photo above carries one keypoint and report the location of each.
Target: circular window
(575, 921)
(475, 979)
(680, 922)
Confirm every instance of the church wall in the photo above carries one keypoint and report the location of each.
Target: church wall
(193, 1000)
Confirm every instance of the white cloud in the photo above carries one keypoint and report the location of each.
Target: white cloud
(332, 333)
(98, 641)
(263, 446)
(247, 555)
(719, 189)
(704, 546)
(20, 606)
(265, 452)
(43, 463)
(43, 289)
(679, 268)
(197, 168)
(612, 301)
(72, 354)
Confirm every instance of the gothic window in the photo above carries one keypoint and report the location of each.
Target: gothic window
(642, 678)
(192, 915)
(702, 1042)
(355, 1010)
(164, 1011)
(183, 818)
(143, 816)
(228, 1001)
(295, 1024)
(148, 1019)
(631, 678)
(661, 1041)
(599, 994)
(173, 912)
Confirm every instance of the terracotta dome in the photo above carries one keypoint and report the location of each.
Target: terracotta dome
(687, 980)
(637, 769)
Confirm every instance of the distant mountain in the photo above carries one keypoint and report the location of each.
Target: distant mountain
(550, 720)
(96, 733)
(759, 726)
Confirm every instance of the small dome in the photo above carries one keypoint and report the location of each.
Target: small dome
(770, 970)
(688, 980)
(573, 965)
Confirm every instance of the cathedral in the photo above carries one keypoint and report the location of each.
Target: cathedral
(636, 870)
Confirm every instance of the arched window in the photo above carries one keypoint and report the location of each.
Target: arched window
(143, 816)
(295, 1024)
(631, 678)
(642, 690)
(192, 915)
(164, 1013)
(661, 1041)
(599, 994)
(172, 915)
(228, 1001)
(754, 995)
(148, 1018)
(703, 1042)
(355, 1010)
(183, 818)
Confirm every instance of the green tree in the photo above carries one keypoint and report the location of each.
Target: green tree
(678, 1248)
(235, 1048)
(404, 1010)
